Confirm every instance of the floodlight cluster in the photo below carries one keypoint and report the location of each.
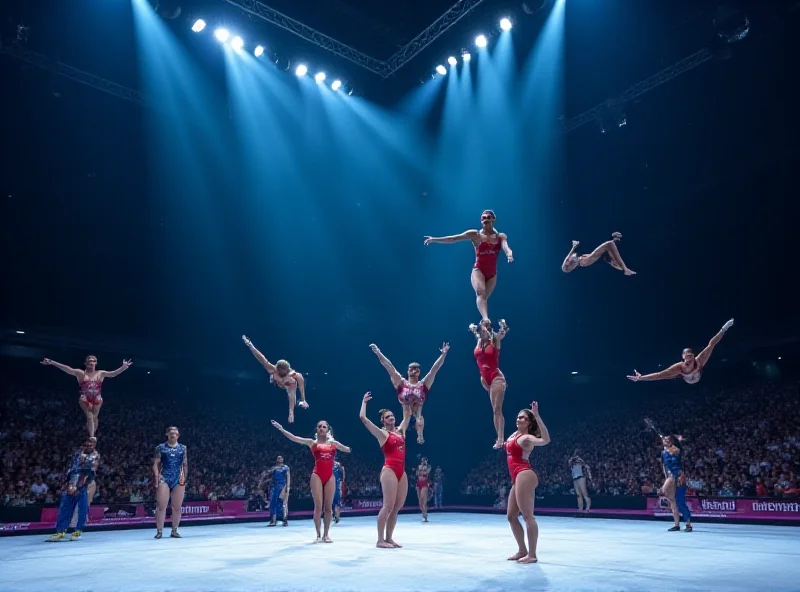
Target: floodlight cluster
(237, 43)
(481, 42)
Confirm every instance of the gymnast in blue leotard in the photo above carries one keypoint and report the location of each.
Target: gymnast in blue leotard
(170, 468)
(674, 488)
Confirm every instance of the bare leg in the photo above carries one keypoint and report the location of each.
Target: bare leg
(422, 494)
(96, 416)
(291, 393)
(389, 487)
(479, 285)
(516, 528)
(578, 493)
(497, 393)
(420, 421)
(330, 490)
(585, 492)
(668, 490)
(177, 501)
(526, 484)
(316, 493)
(702, 357)
(616, 258)
(162, 499)
(399, 502)
(87, 410)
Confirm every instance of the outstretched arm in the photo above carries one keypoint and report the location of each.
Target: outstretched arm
(466, 235)
(670, 372)
(545, 434)
(307, 441)
(379, 434)
(258, 355)
(340, 446)
(394, 375)
(565, 267)
(62, 367)
(437, 365)
(501, 333)
(703, 356)
(111, 374)
(506, 249)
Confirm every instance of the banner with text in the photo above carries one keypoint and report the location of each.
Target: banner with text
(722, 507)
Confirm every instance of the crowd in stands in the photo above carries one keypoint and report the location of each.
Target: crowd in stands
(743, 442)
(229, 451)
(737, 443)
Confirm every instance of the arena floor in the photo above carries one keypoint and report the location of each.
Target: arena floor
(452, 552)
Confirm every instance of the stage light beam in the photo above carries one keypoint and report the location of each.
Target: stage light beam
(452, 61)
(301, 70)
(320, 77)
(222, 35)
(480, 41)
(337, 84)
(441, 70)
(466, 56)
(258, 51)
(237, 43)
(198, 25)
(505, 24)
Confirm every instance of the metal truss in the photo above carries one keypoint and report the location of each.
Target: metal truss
(14, 50)
(383, 68)
(638, 89)
(456, 12)
(330, 44)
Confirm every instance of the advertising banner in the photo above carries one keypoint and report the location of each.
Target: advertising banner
(724, 507)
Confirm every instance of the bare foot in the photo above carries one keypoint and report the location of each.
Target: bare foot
(629, 272)
(498, 444)
(393, 544)
(517, 556)
(327, 539)
(384, 545)
(527, 559)
(303, 404)
(319, 540)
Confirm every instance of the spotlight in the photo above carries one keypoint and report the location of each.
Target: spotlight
(258, 51)
(480, 41)
(301, 70)
(237, 43)
(441, 70)
(320, 77)
(222, 35)
(452, 61)
(505, 24)
(337, 84)
(466, 56)
(198, 25)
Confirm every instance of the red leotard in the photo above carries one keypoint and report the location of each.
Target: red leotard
(486, 257)
(323, 460)
(516, 464)
(90, 389)
(409, 394)
(394, 451)
(422, 481)
(488, 359)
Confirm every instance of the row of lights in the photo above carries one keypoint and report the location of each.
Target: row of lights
(237, 44)
(481, 42)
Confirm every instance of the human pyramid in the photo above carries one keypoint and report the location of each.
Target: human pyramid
(412, 393)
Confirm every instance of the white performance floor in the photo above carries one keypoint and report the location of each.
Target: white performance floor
(452, 552)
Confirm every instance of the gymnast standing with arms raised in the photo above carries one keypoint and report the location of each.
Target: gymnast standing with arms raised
(90, 380)
(488, 243)
(323, 484)
(487, 356)
(394, 481)
(531, 432)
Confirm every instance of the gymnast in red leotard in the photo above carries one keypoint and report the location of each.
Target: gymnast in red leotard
(487, 242)
(487, 355)
(394, 481)
(412, 392)
(91, 381)
(323, 485)
(531, 432)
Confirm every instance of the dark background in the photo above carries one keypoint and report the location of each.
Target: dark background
(102, 255)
